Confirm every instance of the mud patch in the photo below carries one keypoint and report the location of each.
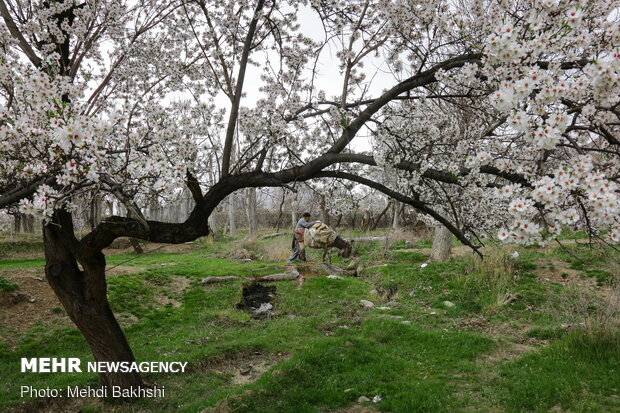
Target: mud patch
(258, 299)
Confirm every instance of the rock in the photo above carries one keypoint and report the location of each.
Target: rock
(363, 399)
(334, 277)
(384, 308)
(448, 304)
(246, 370)
(368, 305)
(374, 292)
(423, 265)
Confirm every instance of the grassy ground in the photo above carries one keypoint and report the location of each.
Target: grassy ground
(537, 332)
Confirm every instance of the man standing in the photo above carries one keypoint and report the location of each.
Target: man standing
(299, 252)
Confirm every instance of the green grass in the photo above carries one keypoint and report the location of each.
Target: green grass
(576, 373)
(325, 351)
(13, 264)
(408, 368)
(7, 285)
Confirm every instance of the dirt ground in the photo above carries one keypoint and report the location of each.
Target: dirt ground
(34, 302)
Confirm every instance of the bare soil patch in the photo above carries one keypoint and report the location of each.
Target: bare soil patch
(150, 247)
(116, 270)
(243, 368)
(34, 302)
(556, 270)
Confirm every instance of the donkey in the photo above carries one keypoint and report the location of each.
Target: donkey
(343, 245)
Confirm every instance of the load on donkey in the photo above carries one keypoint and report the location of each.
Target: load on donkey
(321, 236)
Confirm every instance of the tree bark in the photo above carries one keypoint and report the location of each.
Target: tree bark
(442, 244)
(28, 223)
(212, 224)
(324, 211)
(83, 294)
(232, 219)
(293, 214)
(94, 217)
(251, 212)
(18, 222)
(396, 219)
(137, 248)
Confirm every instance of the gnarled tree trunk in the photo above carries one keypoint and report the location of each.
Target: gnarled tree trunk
(83, 294)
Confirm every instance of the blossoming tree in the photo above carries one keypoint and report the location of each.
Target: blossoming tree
(143, 98)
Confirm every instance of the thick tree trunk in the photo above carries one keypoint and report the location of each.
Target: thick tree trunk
(251, 212)
(232, 219)
(442, 244)
(83, 294)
